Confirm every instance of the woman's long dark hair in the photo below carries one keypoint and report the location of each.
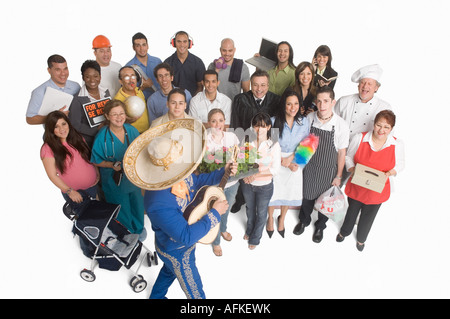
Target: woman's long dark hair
(280, 117)
(74, 139)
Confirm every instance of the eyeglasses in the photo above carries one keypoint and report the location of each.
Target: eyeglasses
(116, 114)
(127, 78)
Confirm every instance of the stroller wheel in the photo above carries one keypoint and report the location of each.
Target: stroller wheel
(155, 258)
(87, 275)
(151, 257)
(138, 283)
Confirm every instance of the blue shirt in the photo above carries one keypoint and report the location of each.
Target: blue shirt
(165, 211)
(37, 96)
(187, 74)
(292, 137)
(157, 104)
(151, 63)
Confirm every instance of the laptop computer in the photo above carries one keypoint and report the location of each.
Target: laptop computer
(268, 56)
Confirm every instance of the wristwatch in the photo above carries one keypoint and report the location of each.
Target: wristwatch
(116, 164)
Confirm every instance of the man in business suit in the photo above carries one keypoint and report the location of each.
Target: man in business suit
(258, 99)
(245, 106)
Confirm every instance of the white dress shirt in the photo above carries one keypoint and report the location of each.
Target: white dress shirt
(200, 106)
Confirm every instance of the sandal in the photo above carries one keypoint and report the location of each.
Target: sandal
(217, 250)
(227, 236)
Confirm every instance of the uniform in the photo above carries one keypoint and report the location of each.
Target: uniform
(175, 240)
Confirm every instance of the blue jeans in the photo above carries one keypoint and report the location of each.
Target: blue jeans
(230, 194)
(257, 200)
(91, 192)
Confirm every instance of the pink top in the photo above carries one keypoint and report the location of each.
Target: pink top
(79, 174)
(269, 161)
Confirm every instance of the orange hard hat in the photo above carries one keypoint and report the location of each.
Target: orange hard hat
(101, 41)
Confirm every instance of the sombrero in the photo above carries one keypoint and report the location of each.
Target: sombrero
(165, 154)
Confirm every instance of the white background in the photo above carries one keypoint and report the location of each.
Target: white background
(406, 255)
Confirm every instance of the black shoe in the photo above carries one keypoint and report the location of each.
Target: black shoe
(299, 228)
(269, 232)
(236, 207)
(281, 232)
(318, 235)
(340, 238)
(359, 246)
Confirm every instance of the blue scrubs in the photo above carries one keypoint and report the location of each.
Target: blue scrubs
(107, 147)
(175, 240)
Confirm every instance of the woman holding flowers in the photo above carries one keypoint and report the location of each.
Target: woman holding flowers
(292, 128)
(218, 142)
(258, 188)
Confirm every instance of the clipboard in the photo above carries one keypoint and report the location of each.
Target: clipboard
(54, 100)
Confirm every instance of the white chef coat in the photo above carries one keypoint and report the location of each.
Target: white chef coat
(358, 115)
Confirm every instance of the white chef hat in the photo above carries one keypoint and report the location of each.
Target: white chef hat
(373, 71)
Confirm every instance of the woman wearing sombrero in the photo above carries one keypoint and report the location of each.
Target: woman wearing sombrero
(162, 161)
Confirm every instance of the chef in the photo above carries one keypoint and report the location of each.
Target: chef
(359, 109)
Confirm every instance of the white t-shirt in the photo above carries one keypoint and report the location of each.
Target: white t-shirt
(110, 77)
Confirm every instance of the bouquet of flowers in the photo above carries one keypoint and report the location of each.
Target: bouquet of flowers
(246, 159)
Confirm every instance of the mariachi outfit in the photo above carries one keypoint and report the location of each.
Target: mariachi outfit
(361, 198)
(174, 239)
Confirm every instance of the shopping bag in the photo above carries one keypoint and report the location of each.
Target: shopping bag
(332, 204)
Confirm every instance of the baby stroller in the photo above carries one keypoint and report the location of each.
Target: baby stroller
(105, 240)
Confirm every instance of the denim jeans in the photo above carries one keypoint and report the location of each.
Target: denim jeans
(230, 194)
(91, 192)
(257, 200)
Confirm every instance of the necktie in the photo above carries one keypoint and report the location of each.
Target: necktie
(258, 102)
(181, 190)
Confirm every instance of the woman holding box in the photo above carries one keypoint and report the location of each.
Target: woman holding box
(379, 150)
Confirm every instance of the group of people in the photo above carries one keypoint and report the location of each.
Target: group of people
(271, 110)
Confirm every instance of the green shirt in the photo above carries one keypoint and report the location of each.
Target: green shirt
(285, 78)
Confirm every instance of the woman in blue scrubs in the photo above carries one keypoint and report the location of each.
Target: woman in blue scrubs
(108, 151)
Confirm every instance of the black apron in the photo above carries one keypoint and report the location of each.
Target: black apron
(320, 171)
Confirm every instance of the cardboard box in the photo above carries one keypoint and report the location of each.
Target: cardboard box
(369, 178)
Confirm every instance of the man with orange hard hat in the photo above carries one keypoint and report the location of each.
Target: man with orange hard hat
(110, 69)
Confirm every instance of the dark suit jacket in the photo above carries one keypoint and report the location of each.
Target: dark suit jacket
(78, 118)
(329, 73)
(244, 108)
